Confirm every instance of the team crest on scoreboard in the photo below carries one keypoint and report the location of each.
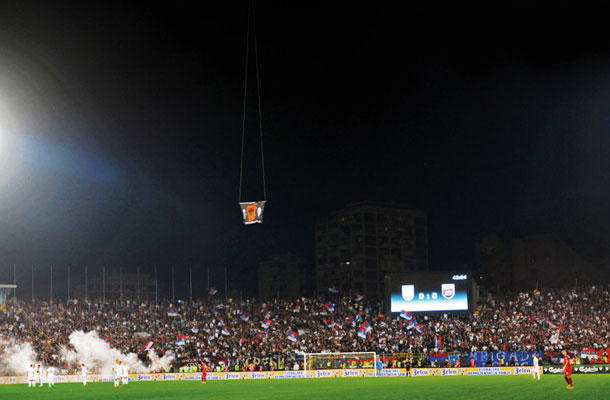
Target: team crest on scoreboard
(408, 292)
(448, 290)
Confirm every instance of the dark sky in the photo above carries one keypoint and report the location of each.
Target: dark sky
(491, 120)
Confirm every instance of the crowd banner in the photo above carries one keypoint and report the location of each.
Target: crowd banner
(521, 358)
(476, 371)
(326, 373)
(579, 369)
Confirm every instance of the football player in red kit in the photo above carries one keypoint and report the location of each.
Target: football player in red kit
(567, 369)
(204, 372)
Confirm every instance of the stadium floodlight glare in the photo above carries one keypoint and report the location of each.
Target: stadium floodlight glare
(10, 151)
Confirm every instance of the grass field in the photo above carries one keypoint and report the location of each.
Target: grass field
(446, 388)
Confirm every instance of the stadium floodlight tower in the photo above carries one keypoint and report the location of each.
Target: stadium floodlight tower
(356, 360)
(5, 291)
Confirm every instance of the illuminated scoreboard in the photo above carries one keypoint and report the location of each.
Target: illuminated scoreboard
(429, 292)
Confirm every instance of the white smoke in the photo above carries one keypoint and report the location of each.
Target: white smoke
(160, 363)
(91, 350)
(17, 357)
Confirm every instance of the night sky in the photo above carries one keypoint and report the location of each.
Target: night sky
(128, 124)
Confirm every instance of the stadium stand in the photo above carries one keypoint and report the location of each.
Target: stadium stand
(232, 334)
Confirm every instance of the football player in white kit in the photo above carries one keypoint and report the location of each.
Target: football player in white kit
(83, 371)
(125, 373)
(535, 369)
(51, 376)
(117, 371)
(37, 375)
(31, 370)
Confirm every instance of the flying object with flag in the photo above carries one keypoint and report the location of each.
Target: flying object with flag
(212, 291)
(358, 297)
(333, 289)
(293, 336)
(252, 211)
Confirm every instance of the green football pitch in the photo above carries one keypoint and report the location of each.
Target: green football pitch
(391, 388)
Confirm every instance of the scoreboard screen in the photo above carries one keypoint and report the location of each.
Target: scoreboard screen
(429, 292)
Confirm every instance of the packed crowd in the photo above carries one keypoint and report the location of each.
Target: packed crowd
(234, 332)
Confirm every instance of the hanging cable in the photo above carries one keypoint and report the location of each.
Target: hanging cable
(243, 124)
(260, 112)
(252, 21)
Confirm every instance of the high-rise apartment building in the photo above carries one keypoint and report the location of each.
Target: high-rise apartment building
(358, 245)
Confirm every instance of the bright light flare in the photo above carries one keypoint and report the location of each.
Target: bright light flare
(10, 146)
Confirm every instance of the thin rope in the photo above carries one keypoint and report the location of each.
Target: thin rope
(243, 124)
(260, 112)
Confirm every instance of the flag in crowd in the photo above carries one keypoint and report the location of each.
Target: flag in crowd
(330, 323)
(358, 297)
(333, 289)
(171, 312)
(149, 346)
(181, 340)
(351, 321)
(293, 336)
(266, 323)
(366, 327)
(245, 317)
(362, 333)
(406, 315)
(266, 312)
(438, 342)
(241, 341)
(329, 306)
(419, 328)
(225, 330)
(195, 329)
(107, 339)
(212, 291)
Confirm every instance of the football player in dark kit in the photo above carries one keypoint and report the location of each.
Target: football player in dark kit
(408, 367)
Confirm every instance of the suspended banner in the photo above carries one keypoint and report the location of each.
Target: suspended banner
(252, 211)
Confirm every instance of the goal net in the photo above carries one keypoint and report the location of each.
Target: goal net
(362, 360)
